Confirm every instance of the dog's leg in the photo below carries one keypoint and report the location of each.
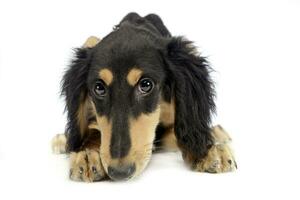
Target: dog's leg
(82, 139)
(167, 140)
(219, 157)
(85, 165)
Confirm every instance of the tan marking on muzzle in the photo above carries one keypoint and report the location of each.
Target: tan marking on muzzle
(105, 126)
(133, 76)
(142, 134)
(106, 75)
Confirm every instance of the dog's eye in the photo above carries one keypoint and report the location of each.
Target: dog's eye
(99, 89)
(145, 85)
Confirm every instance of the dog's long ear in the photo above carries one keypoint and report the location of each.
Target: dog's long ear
(193, 91)
(74, 89)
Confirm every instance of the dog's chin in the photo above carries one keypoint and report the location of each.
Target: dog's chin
(141, 166)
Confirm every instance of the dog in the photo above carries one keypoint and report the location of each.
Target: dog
(138, 90)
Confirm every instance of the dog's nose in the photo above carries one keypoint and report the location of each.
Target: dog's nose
(121, 172)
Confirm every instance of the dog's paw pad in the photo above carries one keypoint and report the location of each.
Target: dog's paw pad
(86, 166)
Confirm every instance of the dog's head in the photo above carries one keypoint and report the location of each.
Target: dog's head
(125, 78)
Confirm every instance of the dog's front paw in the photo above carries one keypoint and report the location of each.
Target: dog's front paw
(86, 166)
(220, 156)
(218, 160)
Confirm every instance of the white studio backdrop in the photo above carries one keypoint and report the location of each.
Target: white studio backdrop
(254, 46)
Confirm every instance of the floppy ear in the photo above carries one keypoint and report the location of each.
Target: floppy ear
(74, 89)
(193, 91)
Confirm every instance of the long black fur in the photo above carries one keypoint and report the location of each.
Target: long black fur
(74, 89)
(194, 94)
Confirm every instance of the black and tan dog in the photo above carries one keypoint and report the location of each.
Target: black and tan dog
(137, 90)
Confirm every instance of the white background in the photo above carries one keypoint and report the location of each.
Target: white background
(254, 46)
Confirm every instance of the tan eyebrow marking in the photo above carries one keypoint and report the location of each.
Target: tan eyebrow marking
(106, 75)
(133, 76)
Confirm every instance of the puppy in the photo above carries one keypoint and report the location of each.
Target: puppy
(137, 90)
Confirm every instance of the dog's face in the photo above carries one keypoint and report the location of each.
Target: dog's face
(124, 82)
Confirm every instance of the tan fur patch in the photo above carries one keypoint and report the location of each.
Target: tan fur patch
(220, 135)
(105, 128)
(91, 42)
(167, 114)
(133, 76)
(106, 75)
(82, 115)
(142, 133)
(169, 141)
(94, 125)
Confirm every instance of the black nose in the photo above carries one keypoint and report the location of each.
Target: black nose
(121, 172)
